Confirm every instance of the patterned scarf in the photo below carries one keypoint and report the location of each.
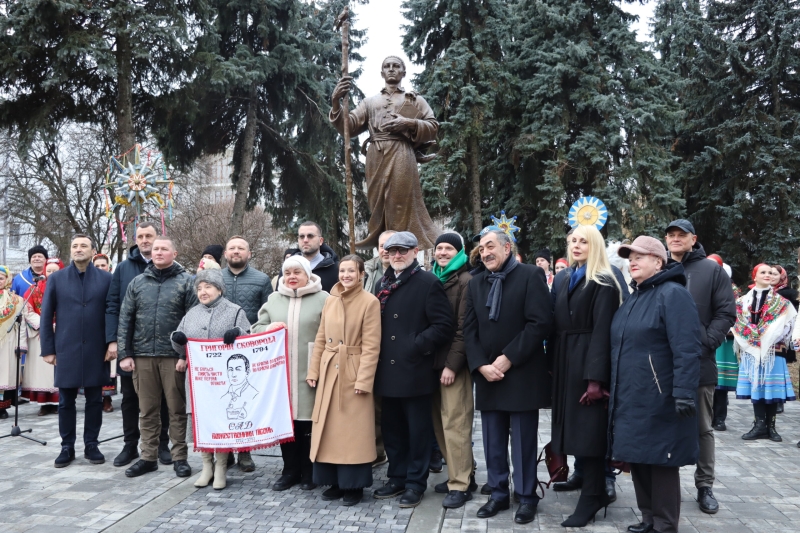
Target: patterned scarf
(755, 343)
(8, 302)
(389, 283)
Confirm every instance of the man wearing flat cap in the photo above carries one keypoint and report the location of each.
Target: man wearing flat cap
(416, 320)
(711, 290)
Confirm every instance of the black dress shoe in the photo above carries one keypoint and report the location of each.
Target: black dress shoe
(525, 513)
(164, 455)
(719, 425)
(456, 499)
(441, 488)
(573, 483)
(611, 490)
(707, 501)
(410, 498)
(352, 497)
(492, 507)
(92, 453)
(129, 453)
(182, 468)
(308, 485)
(437, 462)
(333, 493)
(641, 527)
(285, 482)
(389, 490)
(66, 456)
(141, 467)
(486, 490)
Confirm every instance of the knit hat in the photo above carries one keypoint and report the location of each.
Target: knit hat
(453, 239)
(212, 276)
(38, 249)
(214, 250)
(297, 261)
(544, 253)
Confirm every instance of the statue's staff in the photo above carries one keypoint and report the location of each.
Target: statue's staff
(343, 22)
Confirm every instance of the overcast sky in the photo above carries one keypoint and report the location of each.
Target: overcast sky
(383, 18)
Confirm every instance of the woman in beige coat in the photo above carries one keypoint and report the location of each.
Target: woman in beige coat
(343, 368)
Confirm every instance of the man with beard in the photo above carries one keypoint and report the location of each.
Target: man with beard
(324, 262)
(249, 289)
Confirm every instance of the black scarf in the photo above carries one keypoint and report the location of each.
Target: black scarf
(495, 298)
(390, 283)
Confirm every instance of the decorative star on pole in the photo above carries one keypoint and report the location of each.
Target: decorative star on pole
(506, 225)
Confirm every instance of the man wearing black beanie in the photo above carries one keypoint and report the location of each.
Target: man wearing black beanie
(37, 257)
(544, 260)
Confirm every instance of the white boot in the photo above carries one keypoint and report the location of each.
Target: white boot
(220, 471)
(208, 471)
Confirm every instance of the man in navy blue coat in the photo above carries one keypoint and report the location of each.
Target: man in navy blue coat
(76, 297)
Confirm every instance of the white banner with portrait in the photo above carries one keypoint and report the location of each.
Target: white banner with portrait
(240, 392)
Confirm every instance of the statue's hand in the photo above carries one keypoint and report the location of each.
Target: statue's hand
(341, 89)
(399, 124)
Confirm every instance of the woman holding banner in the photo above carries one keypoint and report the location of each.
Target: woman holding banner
(297, 306)
(343, 370)
(213, 318)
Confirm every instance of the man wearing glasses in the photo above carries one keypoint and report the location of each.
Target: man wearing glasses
(324, 261)
(416, 320)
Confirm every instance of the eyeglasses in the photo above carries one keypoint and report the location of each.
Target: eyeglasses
(304, 237)
(397, 251)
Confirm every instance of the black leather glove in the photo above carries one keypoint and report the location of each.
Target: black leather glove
(230, 335)
(684, 407)
(180, 338)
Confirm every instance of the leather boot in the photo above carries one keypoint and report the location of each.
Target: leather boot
(759, 430)
(773, 434)
(208, 471)
(220, 471)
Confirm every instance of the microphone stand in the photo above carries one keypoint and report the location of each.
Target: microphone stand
(15, 429)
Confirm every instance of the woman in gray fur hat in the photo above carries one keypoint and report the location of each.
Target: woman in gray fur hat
(213, 318)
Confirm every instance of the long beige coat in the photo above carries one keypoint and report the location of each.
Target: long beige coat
(344, 359)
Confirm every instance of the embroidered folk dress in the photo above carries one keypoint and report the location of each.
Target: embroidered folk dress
(763, 374)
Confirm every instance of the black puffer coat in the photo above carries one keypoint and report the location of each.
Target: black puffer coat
(655, 335)
(123, 275)
(711, 290)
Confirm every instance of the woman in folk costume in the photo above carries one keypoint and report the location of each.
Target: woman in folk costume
(38, 383)
(764, 322)
(10, 305)
(342, 369)
(297, 306)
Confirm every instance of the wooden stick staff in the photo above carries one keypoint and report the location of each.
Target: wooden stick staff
(343, 22)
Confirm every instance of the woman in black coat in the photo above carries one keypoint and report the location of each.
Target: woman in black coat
(585, 305)
(655, 368)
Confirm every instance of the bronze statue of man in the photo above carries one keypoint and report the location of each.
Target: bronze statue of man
(399, 122)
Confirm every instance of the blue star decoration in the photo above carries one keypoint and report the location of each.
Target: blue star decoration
(506, 225)
(588, 211)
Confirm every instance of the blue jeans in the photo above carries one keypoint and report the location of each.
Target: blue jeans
(578, 466)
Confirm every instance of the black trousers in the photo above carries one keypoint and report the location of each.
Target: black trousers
(68, 417)
(658, 495)
(296, 455)
(720, 405)
(130, 414)
(407, 427)
(524, 428)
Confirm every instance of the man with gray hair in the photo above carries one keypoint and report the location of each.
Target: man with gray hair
(507, 320)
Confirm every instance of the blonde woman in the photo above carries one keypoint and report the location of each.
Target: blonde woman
(585, 305)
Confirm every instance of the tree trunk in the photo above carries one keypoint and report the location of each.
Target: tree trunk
(246, 167)
(126, 135)
(475, 182)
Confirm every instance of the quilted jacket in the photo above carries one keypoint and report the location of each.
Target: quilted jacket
(249, 289)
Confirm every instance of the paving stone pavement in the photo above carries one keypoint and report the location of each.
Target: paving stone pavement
(758, 486)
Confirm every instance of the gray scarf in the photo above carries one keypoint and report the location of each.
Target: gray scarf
(496, 292)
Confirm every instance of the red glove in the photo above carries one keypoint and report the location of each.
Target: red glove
(594, 393)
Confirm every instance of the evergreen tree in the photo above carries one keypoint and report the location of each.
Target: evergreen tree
(739, 143)
(265, 73)
(460, 43)
(592, 117)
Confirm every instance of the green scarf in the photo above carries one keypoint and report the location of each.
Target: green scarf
(455, 263)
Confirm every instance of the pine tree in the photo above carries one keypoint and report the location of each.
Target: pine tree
(266, 71)
(460, 43)
(740, 163)
(594, 113)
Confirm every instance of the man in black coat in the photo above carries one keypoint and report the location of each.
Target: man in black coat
(324, 261)
(509, 315)
(711, 290)
(416, 320)
(76, 296)
(137, 261)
